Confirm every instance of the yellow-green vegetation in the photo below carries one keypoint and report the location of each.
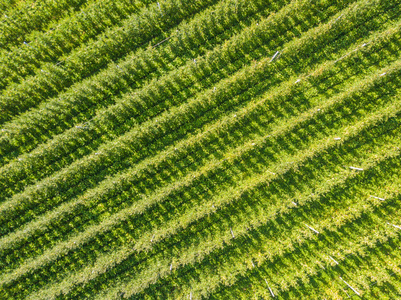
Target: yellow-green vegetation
(204, 149)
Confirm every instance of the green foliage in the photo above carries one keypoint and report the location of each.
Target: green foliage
(227, 149)
(64, 35)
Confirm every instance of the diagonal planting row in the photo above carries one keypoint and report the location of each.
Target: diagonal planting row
(146, 240)
(148, 24)
(258, 247)
(90, 218)
(67, 34)
(94, 156)
(182, 27)
(175, 47)
(84, 133)
(293, 166)
(221, 220)
(222, 227)
(17, 23)
(7, 6)
(82, 100)
(381, 261)
(250, 113)
(217, 228)
(9, 174)
(390, 204)
(47, 256)
(360, 233)
(93, 195)
(383, 173)
(239, 117)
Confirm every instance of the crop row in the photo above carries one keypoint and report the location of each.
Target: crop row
(239, 116)
(110, 189)
(147, 25)
(234, 211)
(67, 34)
(174, 46)
(280, 236)
(348, 245)
(267, 165)
(225, 225)
(383, 208)
(37, 241)
(156, 238)
(84, 133)
(128, 139)
(376, 272)
(146, 239)
(81, 101)
(18, 23)
(95, 212)
(219, 225)
(7, 5)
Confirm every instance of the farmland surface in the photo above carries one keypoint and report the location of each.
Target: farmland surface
(203, 149)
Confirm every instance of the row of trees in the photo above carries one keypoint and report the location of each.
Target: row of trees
(108, 187)
(82, 101)
(359, 230)
(385, 76)
(72, 31)
(149, 24)
(18, 22)
(189, 217)
(312, 272)
(249, 114)
(221, 225)
(146, 241)
(63, 144)
(225, 90)
(275, 205)
(54, 149)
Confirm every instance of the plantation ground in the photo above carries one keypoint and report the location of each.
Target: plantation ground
(204, 149)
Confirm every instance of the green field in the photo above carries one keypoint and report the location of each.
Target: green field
(203, 149)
